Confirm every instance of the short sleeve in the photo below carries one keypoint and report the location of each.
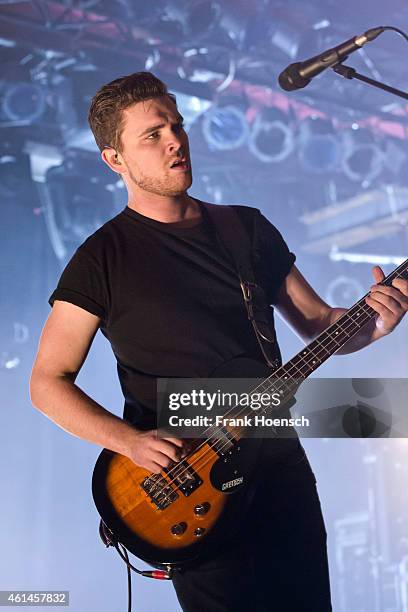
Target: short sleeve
(273, 259)
(82, 284)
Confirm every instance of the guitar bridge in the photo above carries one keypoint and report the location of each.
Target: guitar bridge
(159, 491)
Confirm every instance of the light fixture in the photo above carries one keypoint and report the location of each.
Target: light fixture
(77, 197)
(184, 20)
(319, 145)
(363, 159)
(14, 174)
(23, 102)
(344, 291)
(225, 126)
(272, 138)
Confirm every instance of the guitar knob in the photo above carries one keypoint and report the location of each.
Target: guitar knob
(201, 509)
(199, 531)
(178, 529)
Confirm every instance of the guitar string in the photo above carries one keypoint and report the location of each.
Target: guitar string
(359, 306)
(365, 308)
(182, 469)
(179, 470)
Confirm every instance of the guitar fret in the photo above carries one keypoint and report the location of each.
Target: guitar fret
(222, 441)
(287, 378)
(305, 362)
(263, 386)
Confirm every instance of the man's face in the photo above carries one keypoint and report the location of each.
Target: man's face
(148, 153)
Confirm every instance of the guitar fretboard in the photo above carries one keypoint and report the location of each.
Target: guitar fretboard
(287, 378)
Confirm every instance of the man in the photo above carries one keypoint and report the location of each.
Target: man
(165, 294)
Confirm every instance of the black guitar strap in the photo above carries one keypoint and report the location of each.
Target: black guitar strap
(235, 239)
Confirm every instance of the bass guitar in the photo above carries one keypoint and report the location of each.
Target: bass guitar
(172, 518)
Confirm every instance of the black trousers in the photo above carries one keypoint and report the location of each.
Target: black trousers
(278, 563)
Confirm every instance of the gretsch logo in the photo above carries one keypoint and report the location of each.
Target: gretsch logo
(232, 483)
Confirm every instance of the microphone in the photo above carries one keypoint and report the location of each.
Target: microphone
(298, 75)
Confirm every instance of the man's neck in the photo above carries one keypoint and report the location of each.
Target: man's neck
(181, 210)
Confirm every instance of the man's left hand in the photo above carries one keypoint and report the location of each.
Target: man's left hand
(390, 303)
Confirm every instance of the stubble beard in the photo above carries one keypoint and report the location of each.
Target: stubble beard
(170, 186)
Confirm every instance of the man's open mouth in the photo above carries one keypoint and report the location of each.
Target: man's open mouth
(180, 164)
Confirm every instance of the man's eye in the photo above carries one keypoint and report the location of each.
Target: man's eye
(179, 126)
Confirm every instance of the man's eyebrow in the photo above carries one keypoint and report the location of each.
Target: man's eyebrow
(180, 118)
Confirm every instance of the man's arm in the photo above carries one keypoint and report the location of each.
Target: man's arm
(65, 342)
(309, 315)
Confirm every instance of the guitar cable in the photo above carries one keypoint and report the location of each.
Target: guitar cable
(109, 539)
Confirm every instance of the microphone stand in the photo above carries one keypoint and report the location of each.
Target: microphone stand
(350, 73)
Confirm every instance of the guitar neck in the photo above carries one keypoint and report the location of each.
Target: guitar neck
(328, 342)
(286, 379)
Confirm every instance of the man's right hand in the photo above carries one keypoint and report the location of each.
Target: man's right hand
(65, 342)
(153, 453)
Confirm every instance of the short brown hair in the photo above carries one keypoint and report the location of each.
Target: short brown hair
(105, 115)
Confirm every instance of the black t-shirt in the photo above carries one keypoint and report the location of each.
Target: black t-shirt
(169, 298)
(171, 304)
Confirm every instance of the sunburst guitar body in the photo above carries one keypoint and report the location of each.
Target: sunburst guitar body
(175, 517)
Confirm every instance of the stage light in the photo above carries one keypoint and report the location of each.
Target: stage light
(286, 38)
(363, 159)
(203, 64)
(225, 127)
(8, 361)
(369, 258)
(202, 16)
(184, 20)
(77, 196)
(319, 145)
(344, 291)
(14, 175)
(272, 138)
(23, 102)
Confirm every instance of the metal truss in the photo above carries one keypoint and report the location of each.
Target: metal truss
(110, 36)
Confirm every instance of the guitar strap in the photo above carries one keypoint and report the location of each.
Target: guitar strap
(235, 239)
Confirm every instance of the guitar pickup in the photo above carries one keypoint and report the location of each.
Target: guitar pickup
(184, 477)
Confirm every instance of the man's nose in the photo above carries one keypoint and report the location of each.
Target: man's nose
(175, 147)
(176, 142)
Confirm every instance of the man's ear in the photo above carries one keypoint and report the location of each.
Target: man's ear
(113, 160)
